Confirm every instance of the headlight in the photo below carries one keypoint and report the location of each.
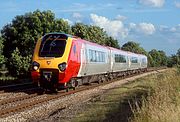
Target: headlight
(35, 66)
(62, 66)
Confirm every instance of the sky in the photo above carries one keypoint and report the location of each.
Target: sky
(154, 24)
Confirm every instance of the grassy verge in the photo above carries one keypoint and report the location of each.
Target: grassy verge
(163, 105)
(136, 101)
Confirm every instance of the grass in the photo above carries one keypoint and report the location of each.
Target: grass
(153, 98)
(163, 105)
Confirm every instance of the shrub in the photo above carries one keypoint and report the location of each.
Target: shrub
(19, 65)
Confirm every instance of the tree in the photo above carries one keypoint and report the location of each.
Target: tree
(178, 56)
(156, 59)
(172, 60)
(112, 42)
(164, 58)
(80, 30)
(133, 47)
(2, 58)
(178, 52)
(96, 35)
(19, 65)
(159, 58)
(62, 26)
(24, 31)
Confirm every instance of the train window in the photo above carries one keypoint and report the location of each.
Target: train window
(96, 56)
(144, 61)
(90, 55)
(134, 60)
(119, 58)
(52, 47)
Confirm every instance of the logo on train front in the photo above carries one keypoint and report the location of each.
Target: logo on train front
(48, 62)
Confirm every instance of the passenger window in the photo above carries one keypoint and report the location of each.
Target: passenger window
(134, 60)
(96, 56)
(120, 58)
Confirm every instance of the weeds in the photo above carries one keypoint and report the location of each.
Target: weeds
(163, 105)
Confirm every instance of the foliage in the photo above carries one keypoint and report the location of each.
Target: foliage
(23, 33)
(163, 101)
(80, 30)
(174, 60)
(2, 58)
(178, 52)
(164, 58)
(158, 58)
(178, 56)
(19, 65)
(112, 42)
(133, 47)
(61, 26)
(96, 35)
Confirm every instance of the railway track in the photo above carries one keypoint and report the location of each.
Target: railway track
(30, 100)
(16, 87)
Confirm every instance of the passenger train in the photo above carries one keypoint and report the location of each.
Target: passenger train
(65, 61)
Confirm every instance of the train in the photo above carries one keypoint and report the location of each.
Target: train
(63, 61)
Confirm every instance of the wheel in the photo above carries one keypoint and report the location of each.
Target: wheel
(73, 84)
(67, 89)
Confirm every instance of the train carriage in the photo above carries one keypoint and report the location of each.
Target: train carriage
(64, 61)
(134, 61)
(119, 60)
(96, 59)
(143, 62)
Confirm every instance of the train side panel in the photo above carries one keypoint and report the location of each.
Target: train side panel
(94, 60)
(119, 60)
(144, 61)
(134, 61)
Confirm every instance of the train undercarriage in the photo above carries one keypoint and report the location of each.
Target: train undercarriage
(49, 79)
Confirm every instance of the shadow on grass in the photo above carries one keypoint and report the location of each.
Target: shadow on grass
(124, 111)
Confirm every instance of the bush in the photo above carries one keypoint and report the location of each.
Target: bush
(19, 66)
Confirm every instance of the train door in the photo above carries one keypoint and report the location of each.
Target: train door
(129, 62)
(110, 60)
(83, 67)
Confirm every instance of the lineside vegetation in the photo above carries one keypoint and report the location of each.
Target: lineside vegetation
(154, 98)
(163, 105)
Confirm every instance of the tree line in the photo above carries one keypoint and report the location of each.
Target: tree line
(18, 39)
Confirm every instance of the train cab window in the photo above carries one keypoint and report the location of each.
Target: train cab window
(120, 58)
(52, 47)
(134, 60)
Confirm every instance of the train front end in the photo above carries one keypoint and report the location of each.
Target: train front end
(50, 60)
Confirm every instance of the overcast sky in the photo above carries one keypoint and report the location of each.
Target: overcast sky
(155, 24)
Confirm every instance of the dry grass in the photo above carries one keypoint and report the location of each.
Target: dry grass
(163, 104)
(154, 98)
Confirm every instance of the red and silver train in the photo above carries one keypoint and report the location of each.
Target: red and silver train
(64, 61)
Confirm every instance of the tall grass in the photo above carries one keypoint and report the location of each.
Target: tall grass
(163, 104)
